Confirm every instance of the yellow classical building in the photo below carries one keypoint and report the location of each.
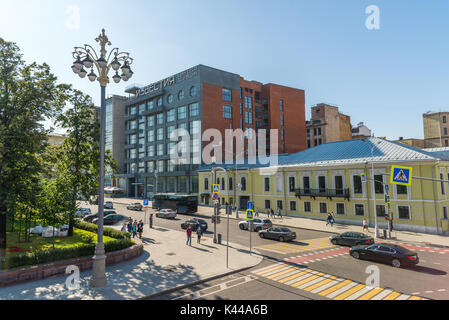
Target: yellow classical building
(328, 178)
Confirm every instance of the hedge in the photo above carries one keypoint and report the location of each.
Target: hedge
(45, 256)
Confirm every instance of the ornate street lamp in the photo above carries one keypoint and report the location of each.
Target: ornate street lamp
(87, 58)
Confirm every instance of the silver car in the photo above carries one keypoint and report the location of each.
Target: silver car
(136, 206)
(166, 214)
(257, 224)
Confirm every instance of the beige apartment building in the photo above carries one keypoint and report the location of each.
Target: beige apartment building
(327, 124)
(436, 129)
(55, 139)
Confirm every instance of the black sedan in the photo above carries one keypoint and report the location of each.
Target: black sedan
(91, 217)
(280, 234)
(112, 219)
(194, 223)
(395, 255)
(351, 239)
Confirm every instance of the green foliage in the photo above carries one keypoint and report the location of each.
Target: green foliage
(110, 232)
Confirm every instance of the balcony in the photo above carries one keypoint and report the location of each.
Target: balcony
(323, 193)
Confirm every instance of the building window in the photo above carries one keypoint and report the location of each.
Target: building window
(206, 184)
(292, 205)
(227, 95)
(150, 151)
(160, 166)
(160, 149)
(223, 184)
(171, 115)
(445, 213)
(282, 105)
(323, 207)
(170, 98)
(150, 121)
(182, 113)
(282, 119)
(380, 210)
(248, 102)
(193, 91)
(194, 109)
(401, 189)
(358, 189)
(267, 204)
(378, 181)
(159, 102)
(308, 143)
(359, 210)
(280, 204)
(231, 185)
(181, 95)
(322, 184)
(160, 134)
(291, 184)
(404, 212)
(266, 184)
(446, 143)
(227, 112)
(340, 208)
(243, 183)
(445, 131)
(150, 136)
(248, 117)
(443, 191)
(150, 105)
(306, 184)
(160, 118)
(307, 206)
(444, 119)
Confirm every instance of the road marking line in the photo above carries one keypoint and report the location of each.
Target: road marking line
(277, 274)
(341, 290)
(284, 280)
(270, 269)
(265, 275)
(300, 278)
(266, 268)
(309, 283)
(288, 274)
(325, 286)
(370, 294)
(308, 279)
(403, 297)
(415, 298)
(319, 284)
(392, 296)
(350, 292)
(359, 293)
(332, 289)
(382, 294)
(428, 291)
(441, 290)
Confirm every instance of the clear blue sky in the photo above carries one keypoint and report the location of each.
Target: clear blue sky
(387, 78)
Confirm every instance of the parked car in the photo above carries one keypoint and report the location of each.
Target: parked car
(257, 224)
(136, 206)
(166, 214)
(112, 219)
(280, 234)
(82, 212)
(351, 239)
(387, 253)
(195, 223)
(91, 217)
(109, 205)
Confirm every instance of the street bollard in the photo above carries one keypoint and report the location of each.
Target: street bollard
(219, 238)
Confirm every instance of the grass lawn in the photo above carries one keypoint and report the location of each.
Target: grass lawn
(38, 243)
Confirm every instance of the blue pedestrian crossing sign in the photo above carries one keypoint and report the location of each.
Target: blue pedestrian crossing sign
(250, 214)
(363, 176)
(251, 205)
(146, 203)
(216, 188)
(401, 175)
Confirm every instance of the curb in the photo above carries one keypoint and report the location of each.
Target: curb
(194, 283)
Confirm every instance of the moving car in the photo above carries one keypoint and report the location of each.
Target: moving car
(392, 254)
(257, 225)
(91, 217)
(195, 223)
(351, 239)
(112, 219)
(136, 206)
(109, 205)
(280, 234)
(166, 214)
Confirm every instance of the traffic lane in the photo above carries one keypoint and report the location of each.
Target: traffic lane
(239, 286)
(428, 279)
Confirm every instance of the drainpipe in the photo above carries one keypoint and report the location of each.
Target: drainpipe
(434, 195)
(367, 194)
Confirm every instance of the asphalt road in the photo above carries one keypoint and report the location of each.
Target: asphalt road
(310, 252)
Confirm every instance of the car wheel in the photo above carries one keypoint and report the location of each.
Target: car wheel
(396, 263)
(281, 239)
(261, 235)
(355, 255)
(334, 242)
(258, 229)
(242, 227)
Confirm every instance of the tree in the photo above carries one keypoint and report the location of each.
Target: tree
(28, 95)
(80, 152)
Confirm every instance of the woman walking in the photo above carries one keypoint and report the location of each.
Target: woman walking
(199, 233)
(140, 229)
(189, 236)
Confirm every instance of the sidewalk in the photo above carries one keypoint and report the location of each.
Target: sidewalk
(320, 225)
(166, 263)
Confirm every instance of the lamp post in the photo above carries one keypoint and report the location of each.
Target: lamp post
(373, 186)
(87, 57)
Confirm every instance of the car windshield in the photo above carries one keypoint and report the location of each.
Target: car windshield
(284, 229)
(399, 248)
(266, 221)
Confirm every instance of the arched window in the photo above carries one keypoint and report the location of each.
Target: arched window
(231, 186)
(223, 185)
(243, 183)
(206, 184)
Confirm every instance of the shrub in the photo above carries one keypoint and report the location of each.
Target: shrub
(109, 232)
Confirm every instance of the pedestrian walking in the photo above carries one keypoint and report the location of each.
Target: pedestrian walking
(329, 219)
(140, 229)
(199, 233)
(151, 221)
(124, 227)
(134, 230)
(279, 213)
(189, 236)
(256, 213)
(365, 225)
(130, 227)
(272, 213)
(332, 219)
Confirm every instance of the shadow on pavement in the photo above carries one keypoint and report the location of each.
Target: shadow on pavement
(432, 271)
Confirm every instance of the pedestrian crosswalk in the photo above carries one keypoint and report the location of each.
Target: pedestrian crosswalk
(298, 246)
(326, 285)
